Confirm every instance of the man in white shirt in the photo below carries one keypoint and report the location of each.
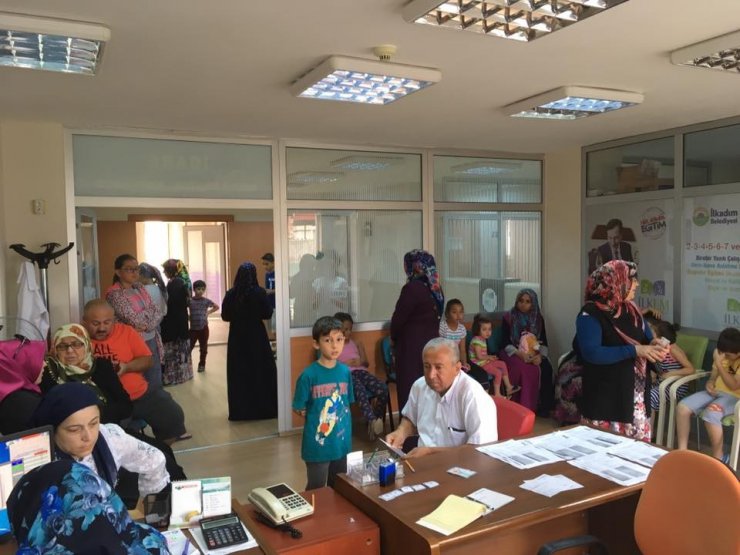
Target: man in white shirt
(446, 407)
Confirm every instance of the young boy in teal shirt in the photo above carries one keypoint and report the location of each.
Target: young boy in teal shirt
(323, 394)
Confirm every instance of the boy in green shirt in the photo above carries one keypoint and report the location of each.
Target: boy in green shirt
(322, 396)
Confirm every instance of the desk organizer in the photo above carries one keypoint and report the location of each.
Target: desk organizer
(367, 473)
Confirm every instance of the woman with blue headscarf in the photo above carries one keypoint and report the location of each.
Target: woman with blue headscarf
(65, 508)
(251, 375)
(415, 319)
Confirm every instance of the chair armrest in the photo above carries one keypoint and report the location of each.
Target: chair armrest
(662, 408)
(735, 439)
(672, 393)
(575, 541)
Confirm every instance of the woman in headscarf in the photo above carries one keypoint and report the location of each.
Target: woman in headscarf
(133, 306)
(614, 344)
(415, 319)
(67, 509)
(71, 360)
(251, 375)
(529, 369)
(177, 365)
(72, 409)
(151, 278)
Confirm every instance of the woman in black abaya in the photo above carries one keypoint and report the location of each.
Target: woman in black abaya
(251, 375)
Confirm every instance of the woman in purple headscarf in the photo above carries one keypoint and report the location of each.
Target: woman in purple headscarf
(251, 375)
(415, 319)
(528, 368)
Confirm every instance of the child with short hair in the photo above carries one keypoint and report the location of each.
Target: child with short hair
(478, 354)
(323, 394)
(718, 401)
(364, 384)
(675, 363)
(452, 327)
(200, 308)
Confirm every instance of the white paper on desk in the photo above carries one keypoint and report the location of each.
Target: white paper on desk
(187, 505)
(491, 499)
(602, 440)
(521, 454)
(564, 446)
(550, 485)
(178, 543)
(612, 468)
(201, 541)
(639, 452)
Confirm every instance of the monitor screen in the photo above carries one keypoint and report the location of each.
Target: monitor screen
(20, 453)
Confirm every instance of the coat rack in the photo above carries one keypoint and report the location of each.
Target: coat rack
(42, 260)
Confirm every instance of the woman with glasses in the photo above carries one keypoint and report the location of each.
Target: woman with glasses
(133, 306)
(71, 360)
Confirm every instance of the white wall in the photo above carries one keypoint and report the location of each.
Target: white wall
(32, 167)
(561, 244)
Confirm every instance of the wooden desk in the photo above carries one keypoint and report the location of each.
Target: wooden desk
(601, 508)
(335, 527)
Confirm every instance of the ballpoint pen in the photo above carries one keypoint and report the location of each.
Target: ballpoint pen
(371, 458)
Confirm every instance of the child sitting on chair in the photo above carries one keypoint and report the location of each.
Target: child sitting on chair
(370, 392)
(718, 401)
(478, 354)
(451, 327)
(675, 363)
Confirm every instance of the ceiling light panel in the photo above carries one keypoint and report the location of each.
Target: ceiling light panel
(346, 79)
(51, 44)
(720, 53)
(522, 20)
(569, 103)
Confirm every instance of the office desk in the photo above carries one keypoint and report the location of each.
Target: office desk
(335, 527)
(601, 508)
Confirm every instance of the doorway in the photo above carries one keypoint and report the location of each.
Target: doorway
(212, 245)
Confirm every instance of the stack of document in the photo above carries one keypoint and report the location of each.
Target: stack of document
(454, 513)
(612, 468)
(521, 454)
(550, 485)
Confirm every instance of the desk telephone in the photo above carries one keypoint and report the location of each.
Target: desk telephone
(280, 503)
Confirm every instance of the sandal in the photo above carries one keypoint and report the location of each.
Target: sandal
(183, 437)
(514, 389)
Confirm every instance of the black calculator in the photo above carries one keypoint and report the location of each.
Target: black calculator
(223, 531)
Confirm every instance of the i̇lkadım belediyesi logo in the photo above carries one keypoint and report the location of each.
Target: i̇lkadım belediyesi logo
(701, 216)
(732, 316)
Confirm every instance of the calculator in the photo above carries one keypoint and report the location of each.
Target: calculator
(223, 531)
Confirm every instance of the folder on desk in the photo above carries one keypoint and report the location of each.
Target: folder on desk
(454, 513)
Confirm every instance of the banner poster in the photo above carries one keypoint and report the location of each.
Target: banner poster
(710, 286)
(639, 232)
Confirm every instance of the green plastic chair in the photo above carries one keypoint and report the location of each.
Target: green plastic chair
(695, 347)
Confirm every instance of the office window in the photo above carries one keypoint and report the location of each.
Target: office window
(137, 167)
(644, 166)
(466, 179)
(485, 258)
(712, 157)
(348, 261)
(323, 174)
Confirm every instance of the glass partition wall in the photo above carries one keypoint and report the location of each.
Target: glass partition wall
(343, 219)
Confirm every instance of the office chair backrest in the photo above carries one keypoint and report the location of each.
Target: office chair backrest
(513, 419)
(695, 347)
(688, 505)
(385, 349)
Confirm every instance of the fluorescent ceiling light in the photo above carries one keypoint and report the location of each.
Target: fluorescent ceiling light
(721, 53)
(486, 168)
(307, 178)
(568, 103)
(522, 20)
(51, 44)
(364, 163)
(364, 81)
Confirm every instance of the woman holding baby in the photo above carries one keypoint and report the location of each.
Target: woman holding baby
(524, 350)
